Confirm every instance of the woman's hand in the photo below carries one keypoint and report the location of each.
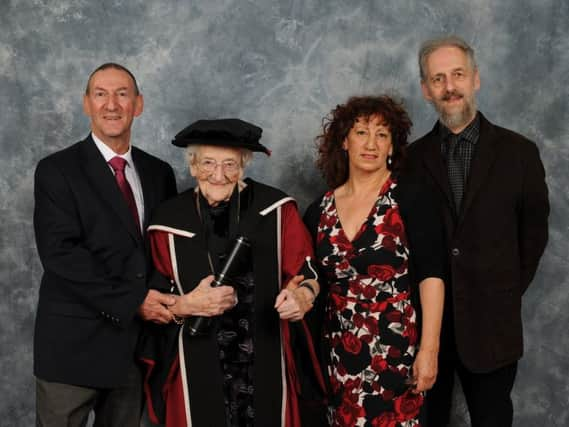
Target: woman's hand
(205, 300)
(425, 370)
(293, 302)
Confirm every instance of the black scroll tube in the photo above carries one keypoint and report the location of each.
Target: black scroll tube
(234, 265)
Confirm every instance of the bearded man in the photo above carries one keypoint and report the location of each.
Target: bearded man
(489, 183)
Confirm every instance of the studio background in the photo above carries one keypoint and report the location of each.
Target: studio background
(282, 64)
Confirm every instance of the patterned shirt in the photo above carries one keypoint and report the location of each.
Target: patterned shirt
(457, 151)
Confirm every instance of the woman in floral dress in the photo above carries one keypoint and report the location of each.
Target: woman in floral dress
(378, 241)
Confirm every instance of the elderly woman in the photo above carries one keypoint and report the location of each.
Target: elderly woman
(240, 369)
(378, 241)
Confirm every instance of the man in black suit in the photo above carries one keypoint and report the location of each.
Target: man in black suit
(92, 203)
(490, 185)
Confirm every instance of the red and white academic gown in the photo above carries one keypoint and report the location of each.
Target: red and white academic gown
(184, 378)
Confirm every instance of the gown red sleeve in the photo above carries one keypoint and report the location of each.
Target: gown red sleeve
(164, 398)
(161, 253)
(297, 254)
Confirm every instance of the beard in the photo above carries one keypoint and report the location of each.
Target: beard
(455, 119)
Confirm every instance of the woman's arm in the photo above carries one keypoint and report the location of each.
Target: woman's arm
(425, 368)
(425, 233)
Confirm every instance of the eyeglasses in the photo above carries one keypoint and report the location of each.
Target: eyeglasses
(210, 165)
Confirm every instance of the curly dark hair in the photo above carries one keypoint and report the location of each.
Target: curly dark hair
(332, 160)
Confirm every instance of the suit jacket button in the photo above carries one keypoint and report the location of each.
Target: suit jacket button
(455, 252)
(140, 276)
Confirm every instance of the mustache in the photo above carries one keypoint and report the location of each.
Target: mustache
(449, 94)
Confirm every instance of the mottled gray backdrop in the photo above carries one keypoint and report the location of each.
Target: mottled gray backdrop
(282, 64)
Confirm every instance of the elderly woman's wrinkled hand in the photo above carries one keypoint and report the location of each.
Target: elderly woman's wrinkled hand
(205, 300)
(293, 302)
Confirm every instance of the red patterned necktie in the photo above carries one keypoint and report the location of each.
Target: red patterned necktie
(118, 164)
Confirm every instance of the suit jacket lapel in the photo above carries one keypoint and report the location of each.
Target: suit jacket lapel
(481, 164)
(145, 175)
(434, 163)
(103, 180)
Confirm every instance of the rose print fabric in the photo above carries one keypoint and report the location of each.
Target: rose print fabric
(370, 321)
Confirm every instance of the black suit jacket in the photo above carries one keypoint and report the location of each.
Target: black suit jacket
(494, 243)
(96, 264)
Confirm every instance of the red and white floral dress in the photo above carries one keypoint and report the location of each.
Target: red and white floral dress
(370, 321)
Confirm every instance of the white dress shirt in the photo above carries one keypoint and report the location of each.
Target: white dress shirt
(129, 171)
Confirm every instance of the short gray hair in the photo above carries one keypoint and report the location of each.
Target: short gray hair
(114, 66)
(431, 45)
(192, 151)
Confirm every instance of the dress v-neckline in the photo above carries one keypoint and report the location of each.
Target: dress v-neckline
(386, 185)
